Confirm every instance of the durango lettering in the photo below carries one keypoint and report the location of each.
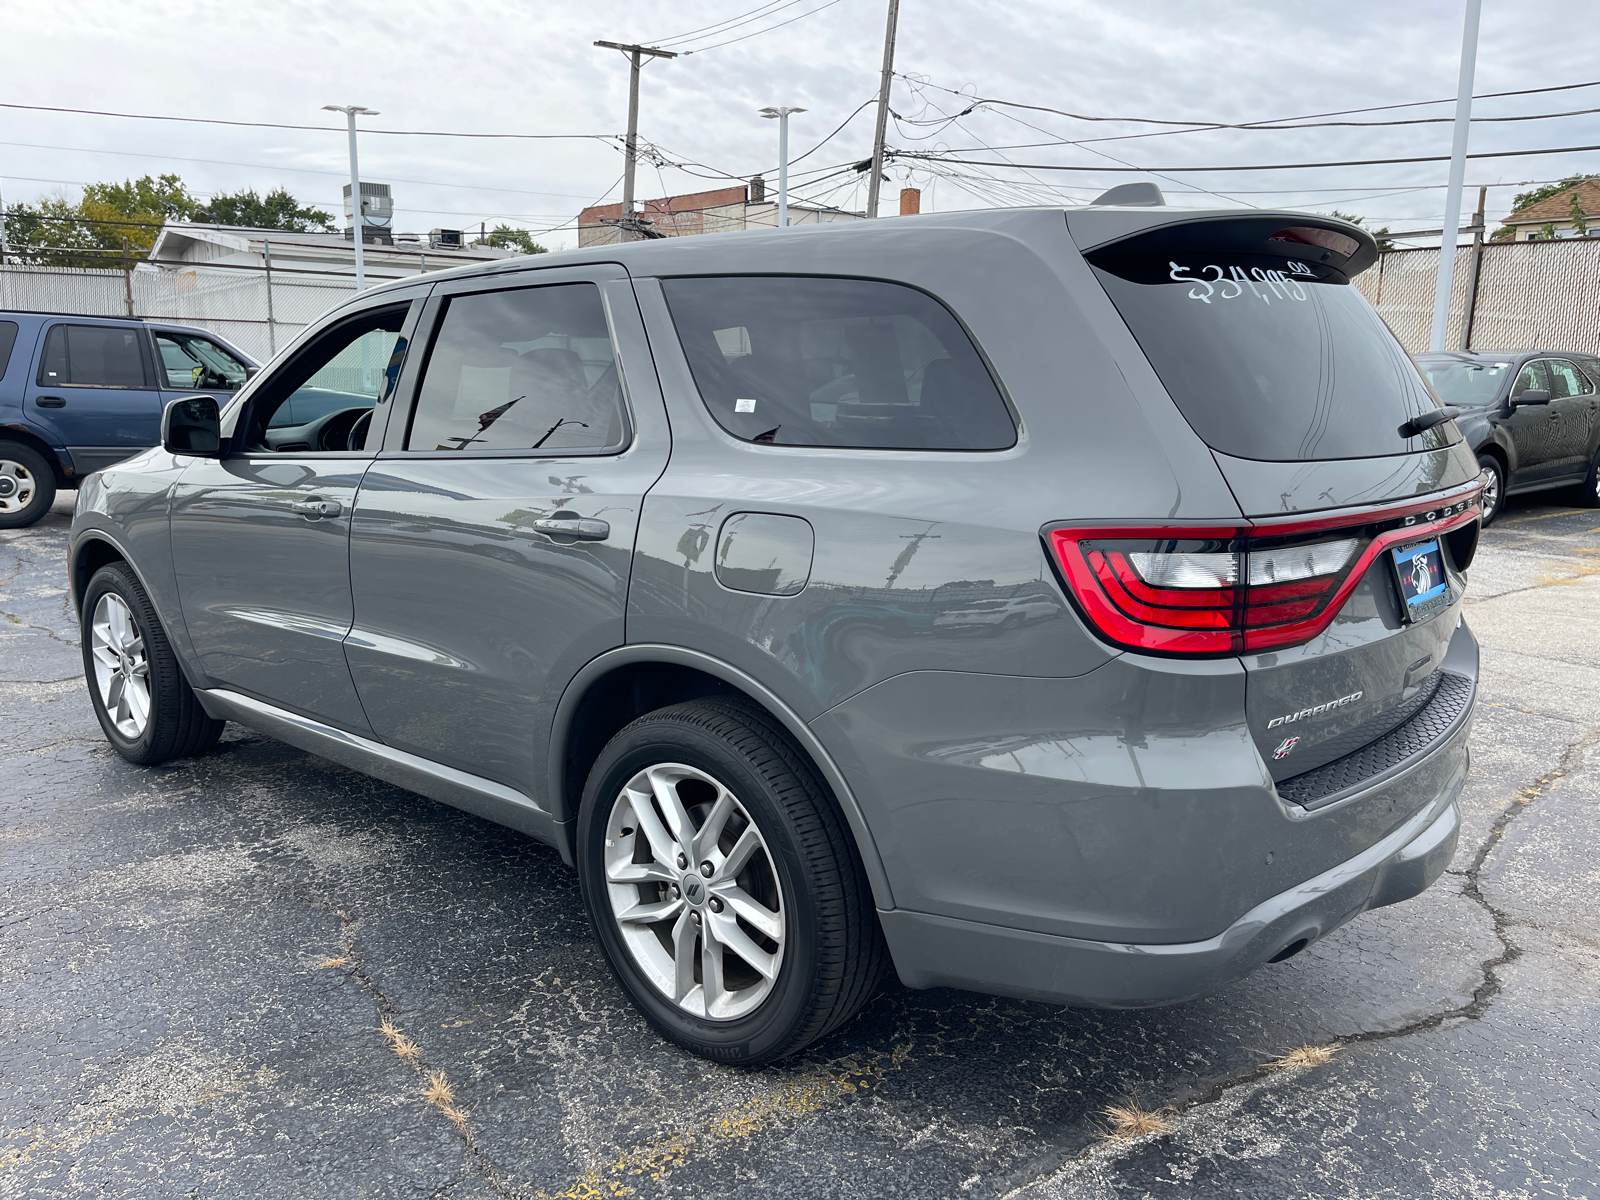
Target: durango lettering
(1316, 710)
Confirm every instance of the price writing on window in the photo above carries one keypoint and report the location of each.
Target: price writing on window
(1265, 284)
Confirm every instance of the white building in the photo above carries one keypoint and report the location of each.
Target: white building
(214, 249)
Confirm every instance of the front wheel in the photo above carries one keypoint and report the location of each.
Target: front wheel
(1494, 487)
(147, 709)
(723, 885)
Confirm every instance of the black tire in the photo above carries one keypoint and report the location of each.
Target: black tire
(176, 726)
(1589, 496)
(24, 473)
(1494, 487)
(833, 954)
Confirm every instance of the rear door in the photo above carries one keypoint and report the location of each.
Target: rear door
(95, 393)
(493, 538)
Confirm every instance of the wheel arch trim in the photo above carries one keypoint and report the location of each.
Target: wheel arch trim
(648, 653)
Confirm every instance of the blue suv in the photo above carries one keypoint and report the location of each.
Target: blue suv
(81, 393)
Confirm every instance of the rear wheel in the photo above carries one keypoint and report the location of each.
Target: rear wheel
(723, 885)
(27, 485)
(147, 709)
(1494, 487)
(1590, 494)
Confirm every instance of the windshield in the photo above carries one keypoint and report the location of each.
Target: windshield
(1465, 384)
(1262, 342)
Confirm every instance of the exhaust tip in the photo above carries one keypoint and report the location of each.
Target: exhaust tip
(1291, 949)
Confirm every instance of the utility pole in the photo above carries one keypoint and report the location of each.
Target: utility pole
(1471, 305)
(352, 111)
(1458, 168)
(883, 109)
(781, 115)
(627, 231)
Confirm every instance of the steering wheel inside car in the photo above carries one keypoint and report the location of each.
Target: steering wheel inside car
(357, 439)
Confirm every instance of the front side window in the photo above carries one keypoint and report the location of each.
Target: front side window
(521, 370)
(853, 363)
(1262, 342)
(92, 356)
(1566, 380)
(322, 398)
(8, 339)
(188, 361)
(1532, 377)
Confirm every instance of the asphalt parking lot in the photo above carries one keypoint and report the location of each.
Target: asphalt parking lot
(235, 976)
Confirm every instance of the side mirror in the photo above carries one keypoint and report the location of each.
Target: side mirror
(1531, 396)
(192, 425)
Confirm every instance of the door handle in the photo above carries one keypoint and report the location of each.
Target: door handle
(317, 508)
(50, 402)
(583, 529)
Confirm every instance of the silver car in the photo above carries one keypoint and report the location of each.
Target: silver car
(1064, 604)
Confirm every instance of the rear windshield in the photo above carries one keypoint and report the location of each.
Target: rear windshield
(814, 361)
(1263, 344)
(1464, 383)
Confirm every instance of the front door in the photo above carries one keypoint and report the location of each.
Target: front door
(260, 538)
(94, 393)
(1534, 429)
(1572, 398)
(493, 538)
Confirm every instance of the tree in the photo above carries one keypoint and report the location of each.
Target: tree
(1580, 219)
(1377, 234)
(506, 238)
(91, 232)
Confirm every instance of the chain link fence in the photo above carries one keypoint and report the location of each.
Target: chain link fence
(1528, 294)
(1521, 295)
(256, 313)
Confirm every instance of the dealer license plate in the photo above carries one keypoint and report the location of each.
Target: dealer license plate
(1424, 586)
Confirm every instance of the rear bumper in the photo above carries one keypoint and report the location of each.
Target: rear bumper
(936, 951)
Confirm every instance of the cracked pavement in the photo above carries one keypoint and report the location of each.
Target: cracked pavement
(236, 975)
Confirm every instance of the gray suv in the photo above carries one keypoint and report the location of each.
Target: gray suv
(1058, 604)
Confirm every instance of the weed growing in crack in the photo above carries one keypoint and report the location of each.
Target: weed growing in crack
(438, 1090)
(341, 961)
(1129, 1121)
(1304, 1056)
(398, 1041)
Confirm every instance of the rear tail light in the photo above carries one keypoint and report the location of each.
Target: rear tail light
(1230, 590)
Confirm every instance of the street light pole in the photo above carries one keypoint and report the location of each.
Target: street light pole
(1458, 168)
(352, 111)
(782, 117)
(635, 55)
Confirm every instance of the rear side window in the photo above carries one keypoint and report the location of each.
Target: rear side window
(856, 363)
(527, 369)
(92, 356)
(1262, 343)
(1566, 380)
(8, 339)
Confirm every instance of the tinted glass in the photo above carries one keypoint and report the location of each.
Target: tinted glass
(805, 361)
(1566, 379)
(195, 362)
(92, 356)
(1465, 384)
(8, 339)
(530, 369)
(1262, 342)
(344, 371)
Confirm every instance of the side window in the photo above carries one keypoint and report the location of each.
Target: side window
(322, 398)
(1531, 378)
(528, 369)
(8, 339)
(807, 361)
(1566, 379)
(92, 356)
(188, 361)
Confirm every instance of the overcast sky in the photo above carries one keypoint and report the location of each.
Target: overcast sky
(531, 68)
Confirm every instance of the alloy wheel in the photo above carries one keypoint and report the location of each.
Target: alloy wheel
(1490, 500)
(121, 667)
(694, 892)
(17, 486)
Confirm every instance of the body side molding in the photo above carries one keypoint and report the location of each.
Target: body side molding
(647, 652)
(471, 793)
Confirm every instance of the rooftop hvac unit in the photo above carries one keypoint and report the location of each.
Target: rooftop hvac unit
(377, 204)
(444, 239)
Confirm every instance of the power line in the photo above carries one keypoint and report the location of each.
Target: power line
(759, 32)
(92, 112)
(921, 155)
(721, 27)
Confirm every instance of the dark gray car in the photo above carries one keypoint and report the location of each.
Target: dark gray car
(1531, 416)
(1059, 604)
